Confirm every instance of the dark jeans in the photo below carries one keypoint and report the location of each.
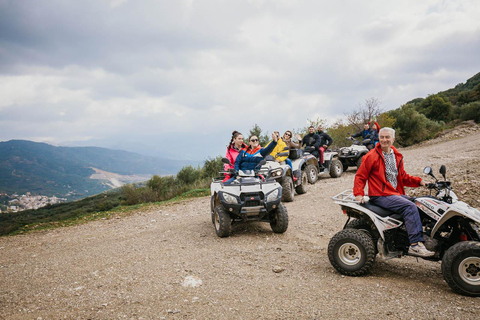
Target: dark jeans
(407, 209)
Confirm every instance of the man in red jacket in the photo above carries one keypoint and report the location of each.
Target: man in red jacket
(382, 167)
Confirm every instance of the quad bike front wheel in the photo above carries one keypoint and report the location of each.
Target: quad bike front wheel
(279, 219)
(359, 162)
(336, 168)
(461, 268)
(351, 252)
(288, 190)
(302, 187)
(222, 222)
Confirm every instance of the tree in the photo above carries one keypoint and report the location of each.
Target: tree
(188, 175)
(257, 131)
(470, 111)
(436, 108)
(411, 126)
(212, 167)
(364, 113)
(339, 131)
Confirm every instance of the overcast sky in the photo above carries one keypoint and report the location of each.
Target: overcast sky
(175, 78)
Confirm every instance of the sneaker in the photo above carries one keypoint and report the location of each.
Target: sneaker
(419, 250)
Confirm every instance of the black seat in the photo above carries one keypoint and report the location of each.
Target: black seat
(382, 212)
(295, 154)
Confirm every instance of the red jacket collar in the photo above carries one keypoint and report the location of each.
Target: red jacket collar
(249, 150)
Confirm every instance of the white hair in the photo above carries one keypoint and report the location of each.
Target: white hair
(392, 131)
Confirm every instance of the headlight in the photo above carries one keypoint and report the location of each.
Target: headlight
(229, 198)
(272, 196)
(355, 152)
(276, 172)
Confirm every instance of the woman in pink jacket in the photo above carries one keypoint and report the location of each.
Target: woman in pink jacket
(234, 147)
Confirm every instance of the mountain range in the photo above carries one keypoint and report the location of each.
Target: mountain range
(73, 172)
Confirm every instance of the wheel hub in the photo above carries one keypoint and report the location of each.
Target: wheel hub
(469, 270)
(349, 254)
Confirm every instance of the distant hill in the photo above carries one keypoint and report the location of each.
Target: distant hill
(40, 168)
(461, 94)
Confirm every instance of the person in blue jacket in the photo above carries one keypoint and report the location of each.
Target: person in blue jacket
(250, 157)
(365, 133)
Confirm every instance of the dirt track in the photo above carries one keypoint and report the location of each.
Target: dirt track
(141, 266)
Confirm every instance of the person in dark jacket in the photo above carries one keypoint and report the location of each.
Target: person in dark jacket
(325, 142)
(311, 140)
(365, 134)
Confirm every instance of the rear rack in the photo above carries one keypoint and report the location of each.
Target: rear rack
(345, 196)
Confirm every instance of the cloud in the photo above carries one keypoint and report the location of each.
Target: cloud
(136, 72)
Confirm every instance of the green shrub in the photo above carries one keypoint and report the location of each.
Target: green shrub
(212, 167)
(413, 127)
(130, 194)
(470, 111)
(188, 175)
(436, 108)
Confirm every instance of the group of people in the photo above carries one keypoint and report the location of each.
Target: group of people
(247, 157)
(369, 133)
(382, 168)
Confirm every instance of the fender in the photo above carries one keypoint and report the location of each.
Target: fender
(461, 209)
(380, 223)
(298, 164)
(287, 171)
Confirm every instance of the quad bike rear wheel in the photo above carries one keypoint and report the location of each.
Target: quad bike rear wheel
(222, 222)
(279, 219)
(363, 225)
(288, 190)
(352, 252)
(312, 173)
(461, 268)
(302, 187)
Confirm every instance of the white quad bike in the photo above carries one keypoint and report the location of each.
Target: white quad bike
(331, 164)
(250, 197)
(352, 156)
(451, 230)
(290, 180)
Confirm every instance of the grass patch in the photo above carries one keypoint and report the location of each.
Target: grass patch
(80, 212)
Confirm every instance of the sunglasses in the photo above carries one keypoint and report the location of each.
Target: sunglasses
(253, 140)
(288, 134)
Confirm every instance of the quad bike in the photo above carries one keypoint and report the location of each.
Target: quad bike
(352, 156)
(331, 164)
(451, 230)
(252, 196)
(306, 164)
(290, 180)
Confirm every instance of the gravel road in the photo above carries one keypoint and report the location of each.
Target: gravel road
(167, 262)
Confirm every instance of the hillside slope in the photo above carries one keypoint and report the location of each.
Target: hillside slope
(40, 168)
(167, 262)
